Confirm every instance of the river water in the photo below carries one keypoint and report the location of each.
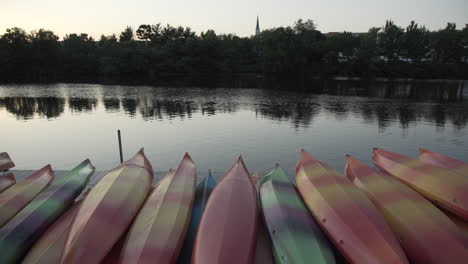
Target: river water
(63, 124)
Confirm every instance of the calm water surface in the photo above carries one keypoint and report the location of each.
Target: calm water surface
(63, 124)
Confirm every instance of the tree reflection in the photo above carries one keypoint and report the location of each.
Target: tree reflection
(26, 107)
(77, 104)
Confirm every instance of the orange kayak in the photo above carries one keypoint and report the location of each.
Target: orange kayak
(228, 229)
(108, 210)
(6, 181)
(18, 196)
(443, 187)
(443, 161)
(5, 162)
(346, 215)
(157, 234)
(426, 234)
(49, 247)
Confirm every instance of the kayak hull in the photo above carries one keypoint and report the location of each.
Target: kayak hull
(443, 187)
(157, 234)
(107, 211)
(425, 233)
(5, 162)
(28, 225)
(295, 235)
(18, 196)
(443, 161)
(334, 201)
(6, 181)
(228, 229)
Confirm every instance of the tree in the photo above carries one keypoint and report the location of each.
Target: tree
(16, 36)
(415, 42)
(447, 44)
(301, 26)
(126, 35)
(390, 41)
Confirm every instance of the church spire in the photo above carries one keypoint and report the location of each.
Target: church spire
(257, 29)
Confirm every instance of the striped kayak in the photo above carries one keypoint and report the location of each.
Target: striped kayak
(18, 196)
(346, 215)
(157, 234)
(295, 235)
(27, 226)
(108, 210)
(202, 192)
(443, 187)
(5, 162)
(6, 181)
(263, 250)
(426, 234)
(49, 247)
(228, 229)
(443, 161)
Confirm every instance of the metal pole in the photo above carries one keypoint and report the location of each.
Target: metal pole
(120, 145)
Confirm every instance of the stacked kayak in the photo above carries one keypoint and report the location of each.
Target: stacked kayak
(202, 193)
(425, 233)
(6, 181)
(443, 187)
(157, 234)
(107, 211)
(5, 162)
(26, 227)
(443, 161)
(18, 196)
(49, 247)
(228, 229)
(347, 216)
(295, 235)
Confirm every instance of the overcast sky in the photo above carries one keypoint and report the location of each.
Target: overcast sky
(98, 17)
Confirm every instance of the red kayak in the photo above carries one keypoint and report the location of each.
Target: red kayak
(228, 229)
(346, 215)
(443, 161)
(5, 162)
(6, 181)
(108, 211)
(426, 234)
(443, 187)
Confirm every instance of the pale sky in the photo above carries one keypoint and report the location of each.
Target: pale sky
(97, 17)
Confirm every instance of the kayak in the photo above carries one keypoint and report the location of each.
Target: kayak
(263, 250)
(27, 226)
(347, 216)
(157, 234)
(426, 234)
(6, 181)
(443, 161)
(228, 229)
(49, 247)
(295, 235)
(202, 193)
(18, 196)
(5, 162)
(443, 187)
(108, 210)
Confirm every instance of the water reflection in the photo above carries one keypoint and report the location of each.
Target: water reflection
(384, 103)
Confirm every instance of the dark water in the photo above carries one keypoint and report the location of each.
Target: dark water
(63, 124)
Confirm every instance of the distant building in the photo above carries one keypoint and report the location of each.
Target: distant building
(257, 29)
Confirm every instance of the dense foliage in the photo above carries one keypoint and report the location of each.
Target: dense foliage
(161, 54)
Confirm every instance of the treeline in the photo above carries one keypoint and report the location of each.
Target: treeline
(155, 54)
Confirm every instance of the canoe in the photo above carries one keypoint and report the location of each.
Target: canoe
(263, 250)
(295, 235)
(27, 226)
(443, 187)
(18, 196)
(157, 234)
(49, 247)
(108, 210)
(5, 162)
(6, 181)
(202, 193)
(228, 229)
(346, 215)
(443, 161)
(426, 234)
